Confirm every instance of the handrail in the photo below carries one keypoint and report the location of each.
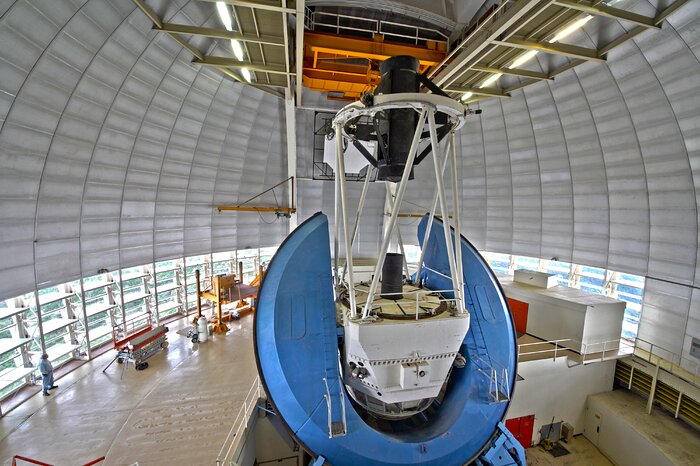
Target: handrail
(498, 386)
(41, 463)
(675, 359)
(239, 423)
(374, 26)
(413, 298)
(95, 461)
(585, 349)
(28, 460)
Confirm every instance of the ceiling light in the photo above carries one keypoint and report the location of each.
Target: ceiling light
(246, 74)
(225, 15)
(570, 28)
(237, 49)
(523, 58)
(467, 95)
(491, 79)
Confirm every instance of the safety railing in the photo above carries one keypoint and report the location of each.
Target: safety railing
(668, 360)
(240, 423)
(412, 299)
(346, 23)
(582, 352)
(497, 376)
(603, 350)
(339, 428)
(41, 463)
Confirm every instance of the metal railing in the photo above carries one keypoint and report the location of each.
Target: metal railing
(668, 360)
(41, 463)
(340, 428)
(413, 299)
(585, 352)
(240, 423)
(346, 23)
(497, 376)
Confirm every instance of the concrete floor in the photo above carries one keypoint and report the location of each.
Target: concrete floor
(582, 453)
(679, 442)
(176, 412)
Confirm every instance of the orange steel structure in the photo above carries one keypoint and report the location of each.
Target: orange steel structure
(330, 62)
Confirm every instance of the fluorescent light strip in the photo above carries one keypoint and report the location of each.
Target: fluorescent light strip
(237, 49)
(224, 15)
(576, 25)
(491, 79)
(246, 74)
(523, 58)
(466, 96)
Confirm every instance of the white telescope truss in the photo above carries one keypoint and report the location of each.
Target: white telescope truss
(426, 105)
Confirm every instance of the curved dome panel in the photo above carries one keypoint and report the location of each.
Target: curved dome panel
(114, 147)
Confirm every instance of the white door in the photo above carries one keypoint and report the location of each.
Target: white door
(593, 425)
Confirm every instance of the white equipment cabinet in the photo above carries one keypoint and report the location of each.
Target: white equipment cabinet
(586, 322)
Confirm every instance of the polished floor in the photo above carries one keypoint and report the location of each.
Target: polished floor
(177, 412)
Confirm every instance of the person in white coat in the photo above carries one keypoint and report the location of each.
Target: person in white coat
(46, 370)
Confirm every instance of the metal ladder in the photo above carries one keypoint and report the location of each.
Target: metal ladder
(335, 400)
(483, 359)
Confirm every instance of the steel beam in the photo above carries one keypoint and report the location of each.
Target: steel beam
(669, 11)
(340, 182)
(186, 45)
(490, 92)
(233, 63)
(265, 88)
(365, 48)
(285, 33)
(299, 48)
(253, 4)
(603, 10)
(483, 38)
(291, 131)
(622, 39)
(566, 50)
(238, 208)
(149, 12)
(395, 212)
(512, 72)
(219, 34)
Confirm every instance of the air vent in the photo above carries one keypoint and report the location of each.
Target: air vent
(669, 398)
(690, 410)
(666, 395)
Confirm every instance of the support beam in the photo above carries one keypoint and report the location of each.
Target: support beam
(521, 85)
(639, 29)
(149, 12)
(513, 72)
(481, 39)
(622, 39)
(487, 91)
(220, 34)
(367, 48)
(299, 48)
(669, 11)
(572, 51)
(291, 127)
(234, 76)
(186, 45)
(238, 208)
(233, 63)
(285, 34)
(255, 4)
(603, 10)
